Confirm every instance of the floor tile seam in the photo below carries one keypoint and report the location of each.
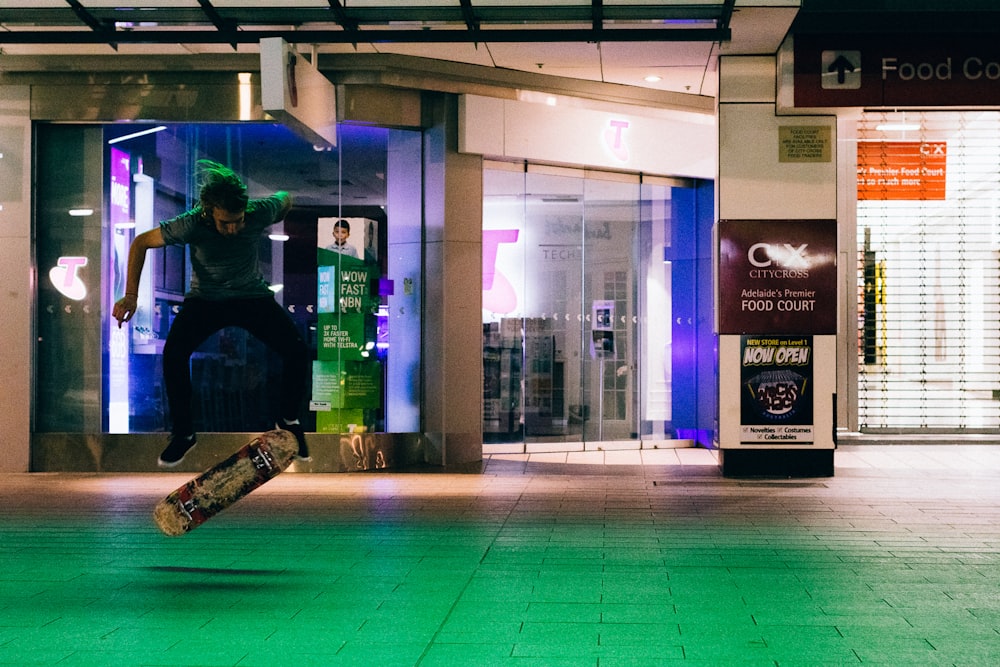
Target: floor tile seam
(471, 578)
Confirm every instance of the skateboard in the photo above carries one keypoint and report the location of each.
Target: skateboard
(257, 462)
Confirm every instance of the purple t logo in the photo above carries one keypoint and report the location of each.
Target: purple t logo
(615, 141)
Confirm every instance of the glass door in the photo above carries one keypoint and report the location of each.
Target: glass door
(555, 381)
(610, 331)
(559, 299)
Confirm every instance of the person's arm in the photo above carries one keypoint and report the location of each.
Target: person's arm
(125, 307)
(286, 203)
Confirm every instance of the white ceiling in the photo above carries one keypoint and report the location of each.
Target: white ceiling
(685, 66)
(757, 27)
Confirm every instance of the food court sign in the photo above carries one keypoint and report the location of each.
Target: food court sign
(906, 69)
(777, 276)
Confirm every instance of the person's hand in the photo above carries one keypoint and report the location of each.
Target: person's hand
(124, 309)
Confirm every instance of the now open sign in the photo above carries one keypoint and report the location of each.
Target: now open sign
(902, 170)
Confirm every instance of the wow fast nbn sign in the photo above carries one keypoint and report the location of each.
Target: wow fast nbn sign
(896, 70)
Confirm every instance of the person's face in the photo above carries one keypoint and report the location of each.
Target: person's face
(340, 235)
(228, 223)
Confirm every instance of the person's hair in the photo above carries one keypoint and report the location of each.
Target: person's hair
(342, 223)
(220, 187)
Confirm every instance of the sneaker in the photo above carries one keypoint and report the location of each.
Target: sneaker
(177, 448)
(295, 428)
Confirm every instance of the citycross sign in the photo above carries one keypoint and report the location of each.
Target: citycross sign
(842, 70)
(777, 276)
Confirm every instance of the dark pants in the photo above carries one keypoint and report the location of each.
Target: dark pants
(263, 318)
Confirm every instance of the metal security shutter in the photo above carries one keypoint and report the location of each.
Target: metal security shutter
(929, 272)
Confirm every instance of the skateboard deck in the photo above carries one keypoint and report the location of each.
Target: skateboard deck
(194, 503)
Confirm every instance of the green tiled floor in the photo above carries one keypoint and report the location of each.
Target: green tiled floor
(894, 561)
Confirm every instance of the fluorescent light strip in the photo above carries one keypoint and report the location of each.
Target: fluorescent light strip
(898, 127)
(140, 133)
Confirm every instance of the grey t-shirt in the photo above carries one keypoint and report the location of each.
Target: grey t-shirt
(224, 267)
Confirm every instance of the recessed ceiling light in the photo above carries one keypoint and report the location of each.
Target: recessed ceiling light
(652, 78)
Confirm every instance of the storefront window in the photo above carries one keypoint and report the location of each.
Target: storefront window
(578, 306)
(100, 186)
(928, 271)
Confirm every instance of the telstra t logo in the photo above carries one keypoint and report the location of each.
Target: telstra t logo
(65, 279)
(614, 139)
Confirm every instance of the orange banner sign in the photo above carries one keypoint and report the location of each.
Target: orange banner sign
(901, 170)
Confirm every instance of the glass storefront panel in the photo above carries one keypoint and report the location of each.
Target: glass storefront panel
(578, 300)
(92, 376)
(655, 276)
(928, 304)
(555, 378)
(69, 253)
(609, 359)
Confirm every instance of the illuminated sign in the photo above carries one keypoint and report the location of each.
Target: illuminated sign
(614, 140)
(66, 279)
(777, 276)
(861, 70)
(120, 217)
(902, 170)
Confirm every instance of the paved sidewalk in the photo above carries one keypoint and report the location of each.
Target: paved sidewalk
(893, 561)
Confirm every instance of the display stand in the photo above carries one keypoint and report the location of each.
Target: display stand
(777, 347)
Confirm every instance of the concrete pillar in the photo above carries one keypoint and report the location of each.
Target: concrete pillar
(757, 181)
(452, 337)
(16, 278)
